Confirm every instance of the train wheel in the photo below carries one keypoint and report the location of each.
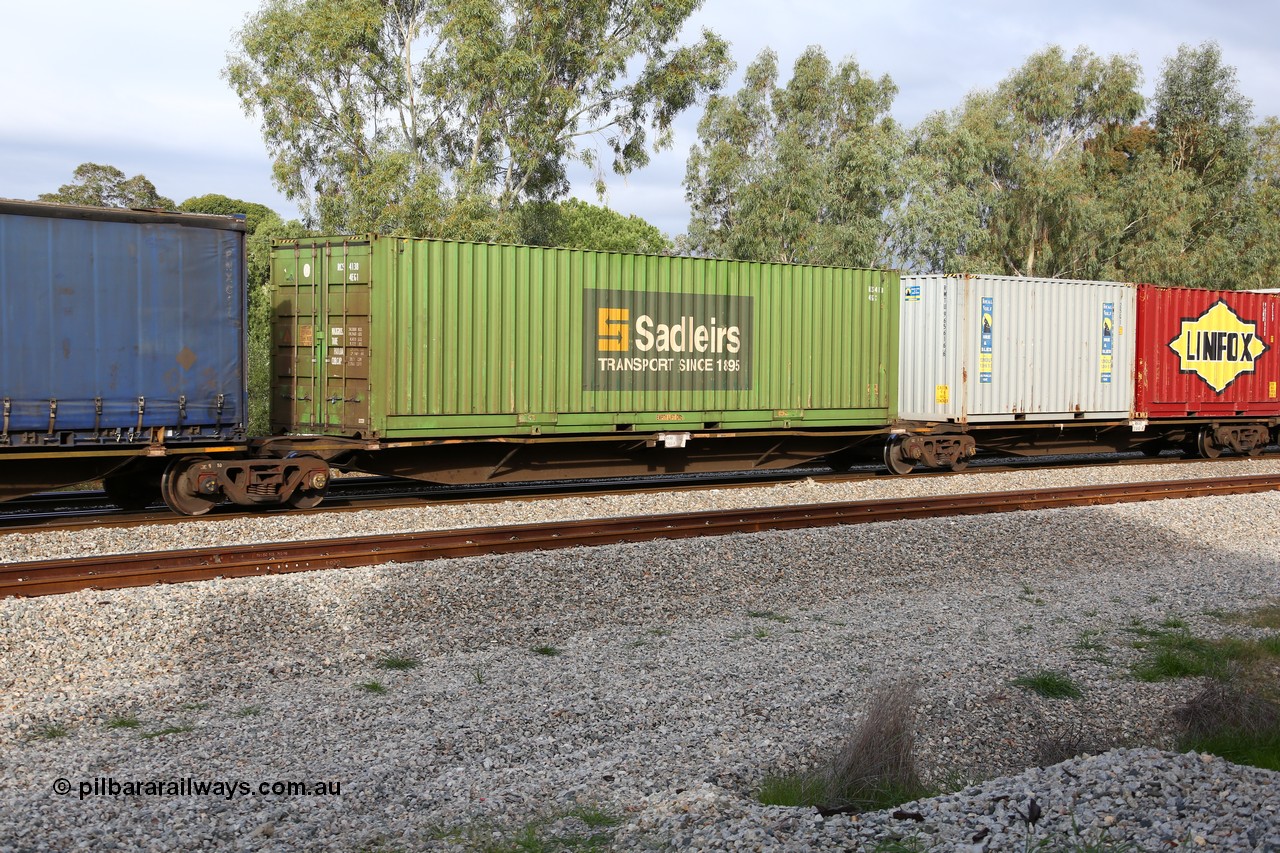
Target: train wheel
(895, 460)
(132, 491)
(1205, 445)
(305, 499)
(179, 487)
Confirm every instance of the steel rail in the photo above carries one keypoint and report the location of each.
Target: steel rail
(128, 570)
(21, 516)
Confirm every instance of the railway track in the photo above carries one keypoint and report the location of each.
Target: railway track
(128, 570)
(74, 510)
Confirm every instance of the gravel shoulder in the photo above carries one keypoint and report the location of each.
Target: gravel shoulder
(687, 672)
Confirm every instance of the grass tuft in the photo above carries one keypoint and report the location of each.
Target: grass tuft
(1179, 654)
(1267, 616)
(123, 723)
(375, 687)
(595, 818)
(1050, 684)
(168, 730)
(541, 835)
(52, 732)
(546, 651)
(801, 789)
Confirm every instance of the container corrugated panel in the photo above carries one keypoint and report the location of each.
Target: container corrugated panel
(1207, 352)
(117, 320)
(399, 337)
(994, 349)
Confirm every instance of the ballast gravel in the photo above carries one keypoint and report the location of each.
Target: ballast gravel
(284, 527)
(636, 696)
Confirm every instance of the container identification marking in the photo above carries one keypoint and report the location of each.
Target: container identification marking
(985, 359)
(1218, 346)
(1108, 340)
(641, 341)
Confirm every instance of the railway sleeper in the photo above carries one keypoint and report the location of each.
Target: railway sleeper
(903, 453)
(194, 486)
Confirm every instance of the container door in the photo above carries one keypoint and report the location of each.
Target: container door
(320, 364)
(346, 339)
(295, 385)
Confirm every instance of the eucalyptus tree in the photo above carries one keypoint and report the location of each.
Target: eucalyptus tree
(576, 224)
(99, 185)
(1193, 200)
(801, 173)
(1004, 184)
(442, 116)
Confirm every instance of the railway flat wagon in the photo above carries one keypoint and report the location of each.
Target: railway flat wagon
(465, 362)
(1208, 367)
(1021, 365)
(123, 342)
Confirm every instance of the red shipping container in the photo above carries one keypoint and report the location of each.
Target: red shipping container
(1206, 353)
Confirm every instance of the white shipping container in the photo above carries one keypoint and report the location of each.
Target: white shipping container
(997, 349)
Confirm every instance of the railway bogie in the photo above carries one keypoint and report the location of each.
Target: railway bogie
(903, 453)
(193, 486)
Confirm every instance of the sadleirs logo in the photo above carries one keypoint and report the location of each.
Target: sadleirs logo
(666, 341)
(1218, 346)
(614, 323)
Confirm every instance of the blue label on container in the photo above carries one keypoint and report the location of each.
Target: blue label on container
(984, 355)
(1108, 338)
(912, 293)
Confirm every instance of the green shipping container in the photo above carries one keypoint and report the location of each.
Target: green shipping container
(394, 338)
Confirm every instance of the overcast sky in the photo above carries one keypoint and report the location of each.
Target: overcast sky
(137, 83)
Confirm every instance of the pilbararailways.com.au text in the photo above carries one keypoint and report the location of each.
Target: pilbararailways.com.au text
(229, 789)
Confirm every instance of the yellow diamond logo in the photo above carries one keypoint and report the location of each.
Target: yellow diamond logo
(1218, 346)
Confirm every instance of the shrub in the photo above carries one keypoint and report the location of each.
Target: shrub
(1230, 718)
(875, 768)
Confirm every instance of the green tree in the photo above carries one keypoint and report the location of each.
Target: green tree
(575, 224)
(801, 173)
(438, 117)
(1258, 232)
(97, 185)
(220, 205)
(1189, 195)
(259, 344)
(1004, 184)
(1202, 120)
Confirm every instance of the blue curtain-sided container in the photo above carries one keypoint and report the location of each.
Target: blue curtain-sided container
(120, 326)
